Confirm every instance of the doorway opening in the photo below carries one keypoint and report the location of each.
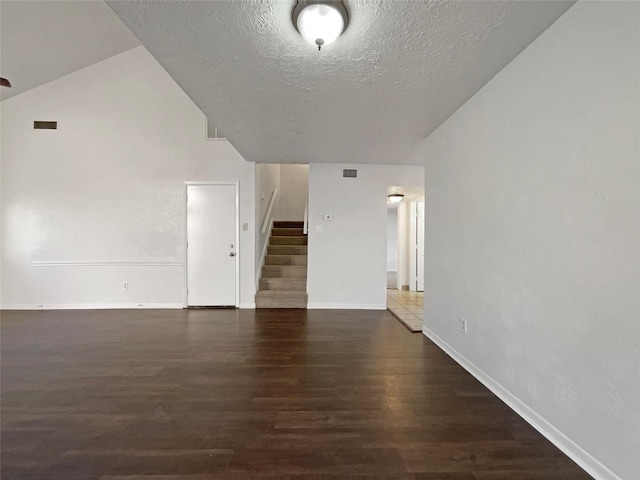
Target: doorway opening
(282, 193)
(405, 256)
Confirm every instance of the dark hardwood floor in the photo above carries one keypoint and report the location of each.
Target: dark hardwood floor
(202, 394)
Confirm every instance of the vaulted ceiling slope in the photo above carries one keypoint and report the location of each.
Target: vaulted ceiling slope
(400, 69)
(41, 41)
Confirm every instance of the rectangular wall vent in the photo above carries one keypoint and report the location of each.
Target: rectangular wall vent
(349, 173)
(42, 125)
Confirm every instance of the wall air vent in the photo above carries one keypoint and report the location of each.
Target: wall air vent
(42, 125)
(350, 173)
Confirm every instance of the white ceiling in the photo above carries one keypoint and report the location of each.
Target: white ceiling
(410, 194)
(41, 41)
(401, 68)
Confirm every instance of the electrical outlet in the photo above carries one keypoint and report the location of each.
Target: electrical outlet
(463, 325)
(125, 285)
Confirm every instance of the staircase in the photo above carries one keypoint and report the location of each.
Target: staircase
(284, 275)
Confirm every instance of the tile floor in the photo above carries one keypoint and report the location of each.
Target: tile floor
(406, 306)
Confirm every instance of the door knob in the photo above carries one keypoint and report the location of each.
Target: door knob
(232, 254)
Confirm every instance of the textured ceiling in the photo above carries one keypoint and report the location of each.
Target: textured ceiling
(41, 41)
(400, 69)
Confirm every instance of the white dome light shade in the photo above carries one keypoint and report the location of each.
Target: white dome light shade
(320, 24)
(395, 197)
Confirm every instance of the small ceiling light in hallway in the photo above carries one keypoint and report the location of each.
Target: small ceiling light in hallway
(320, 22)
(395, 197)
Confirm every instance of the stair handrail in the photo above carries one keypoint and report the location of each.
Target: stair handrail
(305, 228)
(267, 217)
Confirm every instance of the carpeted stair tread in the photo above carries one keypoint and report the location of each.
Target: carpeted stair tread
(285, 260)
(287, 240)
(281, 293)
(279, 232)
(287, 250)
(287, 224)
(298, 271)
(283, 283)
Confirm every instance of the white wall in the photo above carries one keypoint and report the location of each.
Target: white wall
(532, 235)
(392, 239)
(294, 181)
(347, 261)
(267, 181)
(103, 196)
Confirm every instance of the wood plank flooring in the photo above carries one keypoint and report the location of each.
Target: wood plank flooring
(235, 394)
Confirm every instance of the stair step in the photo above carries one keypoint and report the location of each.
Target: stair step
(283, 283)
(285, 260)
(281, 293)
(287, 250)
(287, 240)
(284, 275)
(287, 224)
(297, 271)
(287, 231)
(281, 299)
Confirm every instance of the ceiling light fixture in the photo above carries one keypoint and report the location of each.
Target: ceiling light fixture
(5, 83)
(395, 197)
(320, 22)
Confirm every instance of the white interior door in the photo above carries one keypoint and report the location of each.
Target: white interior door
(420, 247)
(211, 245)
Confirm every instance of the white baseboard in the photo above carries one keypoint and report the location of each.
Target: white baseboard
(90, 306)
(574, 451)
(102, 306)
(347, 306)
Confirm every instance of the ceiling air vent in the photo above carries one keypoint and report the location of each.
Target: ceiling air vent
(350, 173)
(42, 125)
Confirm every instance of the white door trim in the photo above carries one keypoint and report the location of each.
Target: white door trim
(413, 247)
(236, 186)
(420, 206)
(415, 254)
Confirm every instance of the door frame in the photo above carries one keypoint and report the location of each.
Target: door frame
(236, 186)
(414, 257)
(413, 246)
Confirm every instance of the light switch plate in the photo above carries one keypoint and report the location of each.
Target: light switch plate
(319, 229)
